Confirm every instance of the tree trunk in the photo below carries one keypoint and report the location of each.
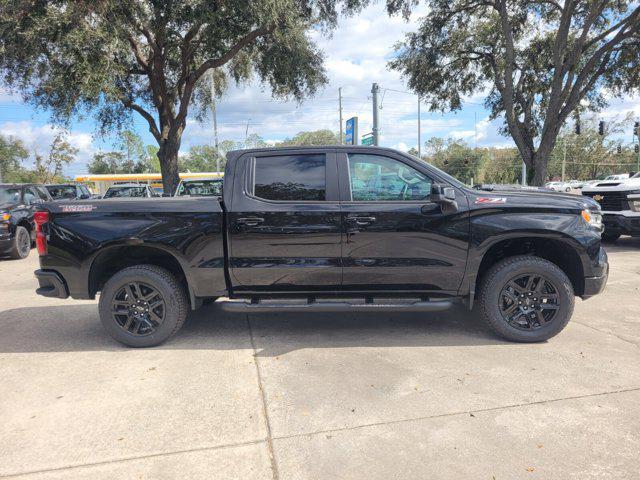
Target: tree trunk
(540, 171)
(168, 156)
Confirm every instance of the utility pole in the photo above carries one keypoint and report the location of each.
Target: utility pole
(340, 109)
(419, 132)
(564, 156)
(524, 174)
(215, 120)
(375, 130)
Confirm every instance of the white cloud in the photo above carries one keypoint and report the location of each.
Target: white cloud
(37, 139)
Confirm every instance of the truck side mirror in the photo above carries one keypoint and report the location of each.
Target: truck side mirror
(442, 194)
(445, 196)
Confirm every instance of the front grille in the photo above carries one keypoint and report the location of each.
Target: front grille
(610, 201)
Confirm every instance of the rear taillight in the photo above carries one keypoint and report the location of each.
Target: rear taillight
(40, 218)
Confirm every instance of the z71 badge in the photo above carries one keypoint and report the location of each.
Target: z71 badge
(77, 208)
(491, 200)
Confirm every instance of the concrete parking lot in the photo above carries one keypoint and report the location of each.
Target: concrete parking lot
(319, 396)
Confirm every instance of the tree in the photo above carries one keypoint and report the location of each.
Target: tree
(202, 158)
(113, 58)
(591, 155)
(12, 154)
(61, 153)
(539, 59)
(107, 162)
(454, 157)
(313, 138)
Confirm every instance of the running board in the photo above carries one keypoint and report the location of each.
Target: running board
(246, 306)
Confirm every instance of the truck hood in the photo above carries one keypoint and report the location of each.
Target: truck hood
(536, 199)
(614, 186)
(7, 206)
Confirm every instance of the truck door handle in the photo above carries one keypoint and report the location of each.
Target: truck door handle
(363, 221)
(250, 221)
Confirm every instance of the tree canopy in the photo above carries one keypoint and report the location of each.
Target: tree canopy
(538, 61)
(313, 138)
(112, 58)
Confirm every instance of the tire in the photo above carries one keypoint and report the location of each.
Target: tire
(143, 330)
(21, 243)
(610, 237)
(496, 292)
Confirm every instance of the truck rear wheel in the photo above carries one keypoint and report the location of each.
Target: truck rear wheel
(142, 306)
(526, 299)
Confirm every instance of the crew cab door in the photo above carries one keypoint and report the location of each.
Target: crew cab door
(395, 237)
(284, 222)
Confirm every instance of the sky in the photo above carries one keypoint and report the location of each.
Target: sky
(356, 55)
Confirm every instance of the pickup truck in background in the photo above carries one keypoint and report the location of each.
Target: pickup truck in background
(619, 200)
(327, 229)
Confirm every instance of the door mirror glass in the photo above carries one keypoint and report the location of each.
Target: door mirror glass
(442, 194)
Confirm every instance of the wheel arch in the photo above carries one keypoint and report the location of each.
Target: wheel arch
(114, 258)
(557, 249)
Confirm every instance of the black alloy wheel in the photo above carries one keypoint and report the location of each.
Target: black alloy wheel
(143, 305)
(529, 302)
(525, 298)
(138, 308)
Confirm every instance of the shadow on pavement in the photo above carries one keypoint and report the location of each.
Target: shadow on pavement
(623, 244)
(78, 328)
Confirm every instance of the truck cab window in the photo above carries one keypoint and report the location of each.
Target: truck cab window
(378, 178)
(290, 177)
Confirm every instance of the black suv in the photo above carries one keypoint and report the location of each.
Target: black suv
(18, 203)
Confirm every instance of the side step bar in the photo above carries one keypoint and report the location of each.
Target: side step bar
(247, 306)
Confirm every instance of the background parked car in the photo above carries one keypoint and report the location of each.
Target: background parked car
(18, 203)
(200, 187)
(558, 186)
(130, 190)
(68, 191)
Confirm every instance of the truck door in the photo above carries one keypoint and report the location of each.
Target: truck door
(395, 238)
(284, 222)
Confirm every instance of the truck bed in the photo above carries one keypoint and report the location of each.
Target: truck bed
(82, 233)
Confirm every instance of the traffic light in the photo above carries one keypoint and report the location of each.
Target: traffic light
(577, 128)
(619, 149)
(636, 129)
(601, 128)
(636, 148)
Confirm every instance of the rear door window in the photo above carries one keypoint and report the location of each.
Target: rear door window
(291, 177)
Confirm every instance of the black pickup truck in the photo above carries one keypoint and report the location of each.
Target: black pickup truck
(326, 229)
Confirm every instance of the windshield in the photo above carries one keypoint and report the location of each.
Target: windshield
(637, 175)
(125, 192)
(9, 195)
(62, 191)
(201, 188)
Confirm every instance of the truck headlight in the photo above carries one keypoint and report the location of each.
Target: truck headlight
(593, 219)
(634, 201)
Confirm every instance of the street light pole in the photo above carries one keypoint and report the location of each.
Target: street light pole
(419, 132)
(340, 108)
(375, 129)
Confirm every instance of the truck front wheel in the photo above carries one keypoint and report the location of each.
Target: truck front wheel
(142, 306)
(526, 299)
